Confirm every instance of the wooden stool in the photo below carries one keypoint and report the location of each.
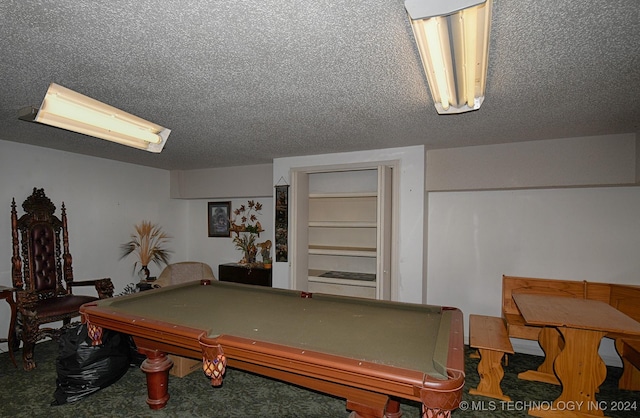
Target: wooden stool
(489, 335)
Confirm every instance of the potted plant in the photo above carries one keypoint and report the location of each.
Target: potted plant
(148, 242)
(246, 226)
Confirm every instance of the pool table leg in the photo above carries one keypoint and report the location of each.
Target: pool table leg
(393, 409)
(156, 367)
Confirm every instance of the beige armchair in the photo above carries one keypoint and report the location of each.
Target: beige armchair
(184, 272)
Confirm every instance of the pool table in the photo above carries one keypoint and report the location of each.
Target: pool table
(371, 353)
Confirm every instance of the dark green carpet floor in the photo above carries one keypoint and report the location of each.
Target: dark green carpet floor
(243, 395)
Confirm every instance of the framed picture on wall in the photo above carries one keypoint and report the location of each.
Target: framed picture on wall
(219, 216)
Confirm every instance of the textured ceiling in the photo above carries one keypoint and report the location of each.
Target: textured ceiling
(243, 82)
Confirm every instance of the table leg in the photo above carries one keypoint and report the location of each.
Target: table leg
(581, 371)
(393, 409)
(551, 343)
(156, 367)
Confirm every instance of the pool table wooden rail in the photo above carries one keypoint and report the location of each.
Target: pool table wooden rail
(178, 340)
(350, 379)
(392, 381)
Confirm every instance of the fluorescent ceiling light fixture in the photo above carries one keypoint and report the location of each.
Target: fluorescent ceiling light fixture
(453, 40)
(67, 109)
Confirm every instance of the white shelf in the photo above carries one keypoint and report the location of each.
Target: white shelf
(342, 251)
(342, 195)
(342, 282)
(342, 224)
(342, 229)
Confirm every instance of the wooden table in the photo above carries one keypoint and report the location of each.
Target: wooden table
(6, 293)
(582, 324)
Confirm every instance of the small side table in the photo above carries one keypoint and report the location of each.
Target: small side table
(245, 273)
(6, 293)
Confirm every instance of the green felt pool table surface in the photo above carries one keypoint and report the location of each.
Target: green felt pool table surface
(403, 338)
(354, 328)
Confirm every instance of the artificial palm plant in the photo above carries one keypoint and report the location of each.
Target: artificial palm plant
(149, 243)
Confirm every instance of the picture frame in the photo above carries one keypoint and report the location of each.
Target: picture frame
(218, 219)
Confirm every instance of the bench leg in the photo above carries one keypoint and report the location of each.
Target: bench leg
(476, 356)
(491, 374)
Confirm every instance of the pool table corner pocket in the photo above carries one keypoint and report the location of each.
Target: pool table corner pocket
(214, 361)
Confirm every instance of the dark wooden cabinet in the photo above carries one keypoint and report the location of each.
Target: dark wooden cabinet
(240, 273)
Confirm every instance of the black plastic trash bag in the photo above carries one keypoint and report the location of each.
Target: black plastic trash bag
(84, 369)
(136, 358)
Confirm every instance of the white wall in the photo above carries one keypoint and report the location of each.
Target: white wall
(584, 161)
(227, 184)
(218, 250)
(572, 234)
(231, 182)
(579, 233)
(408, 284)
(104, 200)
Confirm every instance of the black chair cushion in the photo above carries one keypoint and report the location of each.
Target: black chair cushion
(62, 305)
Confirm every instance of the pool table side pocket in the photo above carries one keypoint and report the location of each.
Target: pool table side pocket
(435, 394)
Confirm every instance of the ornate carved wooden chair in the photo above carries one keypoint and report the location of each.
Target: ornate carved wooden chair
(42, 273)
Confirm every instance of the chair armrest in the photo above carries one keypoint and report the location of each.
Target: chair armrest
(104, 287)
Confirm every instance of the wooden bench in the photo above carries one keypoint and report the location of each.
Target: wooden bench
(489, 335)
(629, 351)
(625, 298)
(516, 325)
(548, 337)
